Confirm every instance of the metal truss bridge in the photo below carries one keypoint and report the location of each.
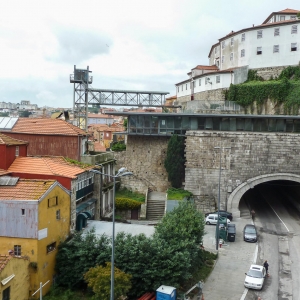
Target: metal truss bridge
(85, 96)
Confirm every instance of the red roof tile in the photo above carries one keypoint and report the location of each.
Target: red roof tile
(99, 147)
(46, 165)
(7, 140)
(289, 10)
(26, 189)
(46, 126)
(4, 259)
(201, 67)
(3, 172)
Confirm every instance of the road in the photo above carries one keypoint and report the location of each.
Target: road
(278, 223)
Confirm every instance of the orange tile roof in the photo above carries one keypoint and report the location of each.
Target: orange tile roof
(4, 259)
(46, 126)
(201, 67)
(171, 98)
(289, 10)
(99, 147)
(46, 165)
(7, 140)
(100, 116)
(3, 172)
(26, 189)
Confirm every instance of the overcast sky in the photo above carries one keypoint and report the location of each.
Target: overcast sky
(128, 44)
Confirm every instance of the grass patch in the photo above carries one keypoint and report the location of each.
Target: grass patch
(125, 193)
(178, 194)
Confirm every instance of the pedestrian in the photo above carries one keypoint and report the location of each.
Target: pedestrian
(266, 265)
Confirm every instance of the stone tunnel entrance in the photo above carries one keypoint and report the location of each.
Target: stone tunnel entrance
(289, 186)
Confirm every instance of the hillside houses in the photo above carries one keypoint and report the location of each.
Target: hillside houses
(267, 48)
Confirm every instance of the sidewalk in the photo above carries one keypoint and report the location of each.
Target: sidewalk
(227, 278)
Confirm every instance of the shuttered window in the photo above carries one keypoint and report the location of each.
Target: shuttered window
(276, 31)
(259, 34)
(294, 29)
(276, 49)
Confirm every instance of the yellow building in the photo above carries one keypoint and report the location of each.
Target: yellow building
(14, 277)
(34, 219)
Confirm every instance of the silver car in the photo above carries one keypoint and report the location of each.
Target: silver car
(255, 277)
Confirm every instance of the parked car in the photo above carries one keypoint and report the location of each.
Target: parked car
(213, 219)
(255, 277)
(223, 213)
(250, 233)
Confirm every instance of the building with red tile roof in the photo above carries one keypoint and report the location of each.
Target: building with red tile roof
(272, 44)
(10, 148)
(34, 220)
(48, 136)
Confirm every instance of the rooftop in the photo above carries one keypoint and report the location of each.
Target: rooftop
(46, 126)
(7, 140)
(46, 165)
(26, 189)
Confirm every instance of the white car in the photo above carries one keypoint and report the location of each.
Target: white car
(213, 219)
(255, 277)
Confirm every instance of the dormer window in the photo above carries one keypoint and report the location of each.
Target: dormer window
(293, 18)
(17, 150)
(282, 18)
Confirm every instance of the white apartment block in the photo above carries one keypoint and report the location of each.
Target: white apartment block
(274, 43)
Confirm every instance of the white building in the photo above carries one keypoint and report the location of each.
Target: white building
(273, 44)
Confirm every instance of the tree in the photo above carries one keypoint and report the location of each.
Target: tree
(24, 113)
(174, 162)
(77, 256)
(98, 278)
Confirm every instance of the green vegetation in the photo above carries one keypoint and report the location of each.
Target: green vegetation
(118, 146)
(174, 162)
(125, 193)
(178, 194)
(126, 204)
(24, 113)
(98, 278)
(77, 163)
(4, 114)
(125, 123)
(172, 256)
(282, 90)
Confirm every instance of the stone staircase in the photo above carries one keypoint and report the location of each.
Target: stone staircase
(156, 203)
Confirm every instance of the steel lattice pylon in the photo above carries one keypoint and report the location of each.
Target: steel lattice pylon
(85, 96)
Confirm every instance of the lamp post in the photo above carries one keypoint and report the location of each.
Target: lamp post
(219, 196)
(122, 172)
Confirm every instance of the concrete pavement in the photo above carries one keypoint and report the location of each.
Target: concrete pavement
(227, 278)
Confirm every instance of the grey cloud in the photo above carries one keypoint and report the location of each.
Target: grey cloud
(76, 46)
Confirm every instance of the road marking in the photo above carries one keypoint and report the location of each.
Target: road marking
(244, 294)
(278, 216)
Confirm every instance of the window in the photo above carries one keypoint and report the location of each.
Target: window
(282, 18)
(259, 51)
(222, 59)
(182, 87)
(186, 86)
(17, 250)
(200, 82)
(276, 49)
(218, 79)
(231, 56)
(207, 80)
(52, 201)
(58, 214)
(23, 212)
(259, 34)
(17, 150)
(276, 31)
(231, 42)
(6, 294)
(293, 18)
(243, 37)
(223, 44)
(294, 29)
(294, 47)
(51, 247)
(242, 52)
(178, 89)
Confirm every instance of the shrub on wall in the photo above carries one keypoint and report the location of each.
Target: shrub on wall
(126, 204)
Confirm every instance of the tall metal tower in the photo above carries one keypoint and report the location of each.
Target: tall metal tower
(85, 96)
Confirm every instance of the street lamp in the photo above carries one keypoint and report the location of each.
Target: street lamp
(122, 172)
(219, 196)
